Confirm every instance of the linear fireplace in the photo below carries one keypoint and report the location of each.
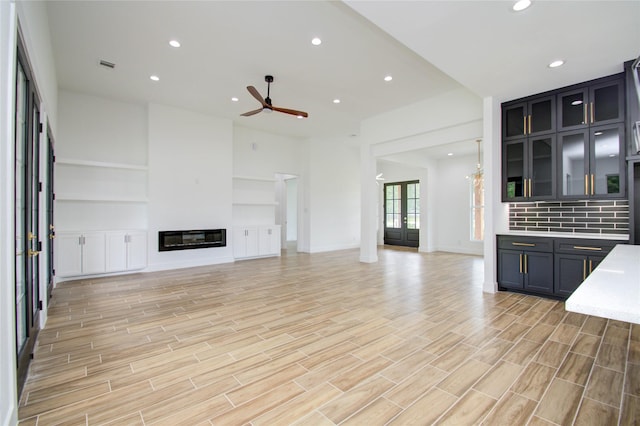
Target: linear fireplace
(194, 239)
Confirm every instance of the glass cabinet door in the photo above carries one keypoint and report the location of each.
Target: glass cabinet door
(514, 120)
(513, 170)
(573, 163)
(606, 103)
(542, 116)
(573, 109)
(542, 166)
(606, 164)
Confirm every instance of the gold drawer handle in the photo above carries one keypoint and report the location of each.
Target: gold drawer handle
(524, 244)
(587, 248)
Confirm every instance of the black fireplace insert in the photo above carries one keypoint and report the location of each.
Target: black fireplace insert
(193, 239)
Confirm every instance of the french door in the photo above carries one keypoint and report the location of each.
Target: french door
(26, 216)
(402, 213)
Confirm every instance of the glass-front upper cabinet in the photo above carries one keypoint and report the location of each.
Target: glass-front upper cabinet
(528, 169)
(591, 164)
(591, 105)
(524, 119)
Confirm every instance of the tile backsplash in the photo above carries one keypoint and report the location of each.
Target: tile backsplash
(592, 217)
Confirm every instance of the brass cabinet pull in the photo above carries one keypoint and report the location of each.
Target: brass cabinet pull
(529, 123)
(586, 184)
(585, 114)
(524, 244)
(587, 248)
(529, 187)
(524, 193)
(526, 269)
(593, 120)
(524, 125)
(590, 266)
(592, 185)
(584, 269)
(520, 262)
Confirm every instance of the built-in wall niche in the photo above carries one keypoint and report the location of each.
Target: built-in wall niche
(254, 200)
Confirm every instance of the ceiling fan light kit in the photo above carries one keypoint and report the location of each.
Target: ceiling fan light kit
(267, 106)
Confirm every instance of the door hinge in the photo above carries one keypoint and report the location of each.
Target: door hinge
(53, 272)
(53, 159)
(39, 186)
(39, 127)
(40, 305)
(39, 245)
(53, 196)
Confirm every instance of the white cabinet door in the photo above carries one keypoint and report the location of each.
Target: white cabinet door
(68, 254)
(116, 251)
(245, 242)
(269, 240)
(93, 253)
(136, 250)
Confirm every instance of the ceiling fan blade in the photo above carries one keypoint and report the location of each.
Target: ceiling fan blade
(291, 111)
(254, 112)
(256, 94)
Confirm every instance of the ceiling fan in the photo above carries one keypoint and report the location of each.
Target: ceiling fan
(266, 103)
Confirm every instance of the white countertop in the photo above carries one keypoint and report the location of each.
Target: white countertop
(612, 290)
(616, 237)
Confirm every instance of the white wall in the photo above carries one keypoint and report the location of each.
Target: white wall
(334, 188)
(99, 129)
(453, 198)
(189, 182)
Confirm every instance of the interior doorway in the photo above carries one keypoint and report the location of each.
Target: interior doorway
(287, 198)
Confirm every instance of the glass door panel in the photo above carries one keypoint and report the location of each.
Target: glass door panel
(605, 163)
(413, 206)
(542, 116)
(573, 109)
(514, 170)
(542, 167)
(514, 121)
(605, 103)
(21, 243)
(573, 165)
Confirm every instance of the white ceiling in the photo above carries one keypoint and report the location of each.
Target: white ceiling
(429, 47)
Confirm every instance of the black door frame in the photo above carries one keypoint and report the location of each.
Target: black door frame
(27, 239)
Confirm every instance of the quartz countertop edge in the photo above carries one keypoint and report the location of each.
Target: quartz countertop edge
(616, 237)
(612, 290)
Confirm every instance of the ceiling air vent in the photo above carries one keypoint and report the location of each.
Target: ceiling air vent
(107, 64)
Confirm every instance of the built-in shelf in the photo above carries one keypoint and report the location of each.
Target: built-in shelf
(253, 178)
(88, 163)
(258, 203)
(93, 198)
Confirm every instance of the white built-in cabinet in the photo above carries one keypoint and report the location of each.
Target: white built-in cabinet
(80, 253)
(126, 250)
(97, 205)
(256, 241)
(254, 205)
(98, 252)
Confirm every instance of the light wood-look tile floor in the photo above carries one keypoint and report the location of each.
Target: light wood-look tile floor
(323, 339)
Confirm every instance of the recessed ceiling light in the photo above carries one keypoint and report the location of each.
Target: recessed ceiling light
(174, 43)
(521, 5)
(316, 41)
(556, 64)
(336, 101)
(450, 154)
(388, 78)
(155, 78)
(234, 99)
